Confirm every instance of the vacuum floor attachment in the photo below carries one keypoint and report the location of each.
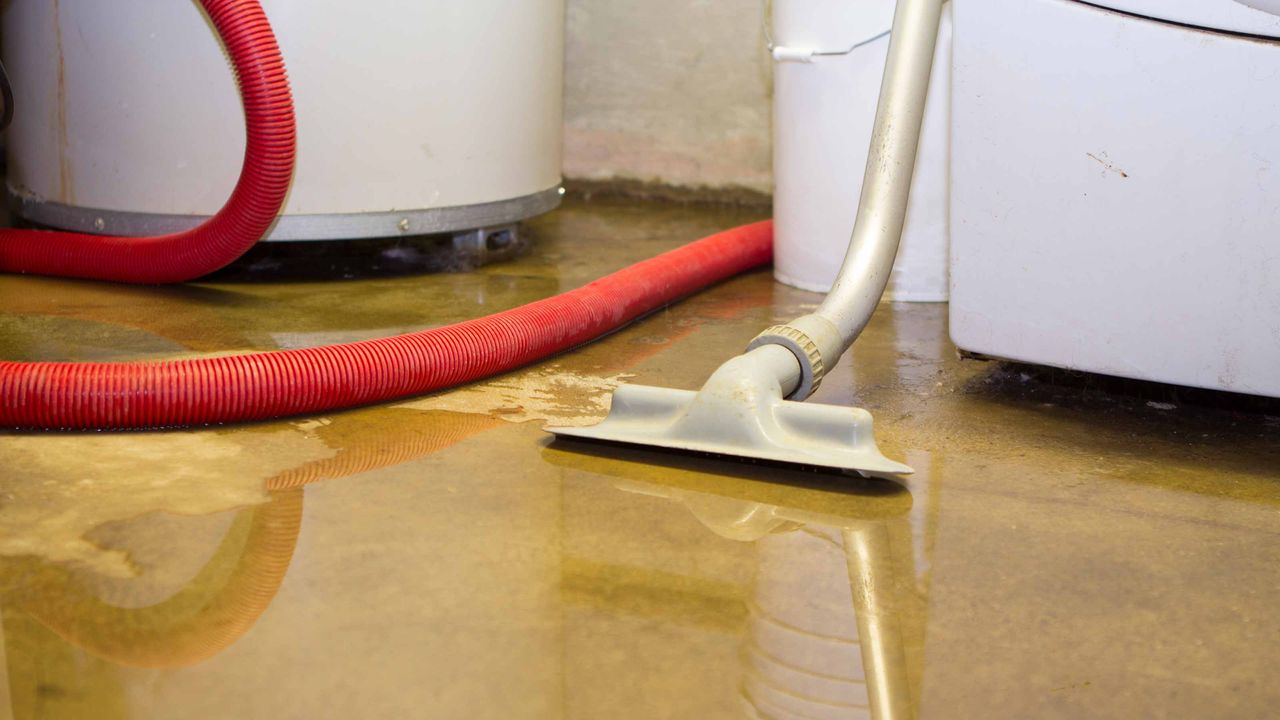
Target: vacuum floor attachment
(741, 412)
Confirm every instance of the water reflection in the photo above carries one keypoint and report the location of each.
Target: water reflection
(174, 562)
(834, 613)
(203, 618)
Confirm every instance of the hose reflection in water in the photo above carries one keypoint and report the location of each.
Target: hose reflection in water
(214, 610)
(232, 590)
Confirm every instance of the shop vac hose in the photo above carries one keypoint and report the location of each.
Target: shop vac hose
(242, 221)
(257, 386)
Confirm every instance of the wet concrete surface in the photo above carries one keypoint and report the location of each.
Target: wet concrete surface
(1069, 546)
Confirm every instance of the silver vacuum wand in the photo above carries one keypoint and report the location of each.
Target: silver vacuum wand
(751, 406)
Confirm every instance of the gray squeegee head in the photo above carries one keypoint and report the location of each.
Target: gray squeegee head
(740, 412)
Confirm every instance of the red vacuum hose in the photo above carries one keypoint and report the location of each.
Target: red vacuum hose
(264, 385)
(242, 221)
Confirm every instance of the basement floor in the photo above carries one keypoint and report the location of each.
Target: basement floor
(1068, 546)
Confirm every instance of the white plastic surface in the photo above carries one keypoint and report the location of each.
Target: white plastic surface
(829, 25)
(1257, 17)
(130, 104)
(823, 114)
(1268, 6)
(1115, 186)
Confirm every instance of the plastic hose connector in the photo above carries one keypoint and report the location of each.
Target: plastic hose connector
(814, 341)
(243, 220)
(806, 351)
(155, 394)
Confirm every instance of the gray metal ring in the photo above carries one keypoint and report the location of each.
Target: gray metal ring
(336, 226)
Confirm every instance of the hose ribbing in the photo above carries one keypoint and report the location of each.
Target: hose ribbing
(45, 395)
(241, 222)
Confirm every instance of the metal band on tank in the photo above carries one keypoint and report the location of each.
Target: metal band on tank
(336, 226)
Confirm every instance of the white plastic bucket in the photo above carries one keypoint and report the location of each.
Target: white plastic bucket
(824, 107)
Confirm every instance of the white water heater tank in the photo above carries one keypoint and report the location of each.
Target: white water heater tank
(432, 116)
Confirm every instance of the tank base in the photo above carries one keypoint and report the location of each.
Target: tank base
(337, 226)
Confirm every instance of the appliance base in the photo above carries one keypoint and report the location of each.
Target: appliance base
(336, 226)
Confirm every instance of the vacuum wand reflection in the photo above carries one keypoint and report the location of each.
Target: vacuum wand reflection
(879, 634)
(827, 607)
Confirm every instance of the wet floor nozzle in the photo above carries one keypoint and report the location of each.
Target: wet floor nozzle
(742, 410)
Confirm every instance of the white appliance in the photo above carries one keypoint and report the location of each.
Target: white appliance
(413, 117)
(830, 57)
(1115, 187)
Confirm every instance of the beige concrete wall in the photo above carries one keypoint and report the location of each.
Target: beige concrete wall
(668, 91)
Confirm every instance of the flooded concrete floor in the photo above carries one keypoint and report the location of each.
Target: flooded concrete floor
(1067, 547)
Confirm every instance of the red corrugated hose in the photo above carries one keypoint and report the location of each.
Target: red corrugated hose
(257, 386)
(242, 221)
(291, 382)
